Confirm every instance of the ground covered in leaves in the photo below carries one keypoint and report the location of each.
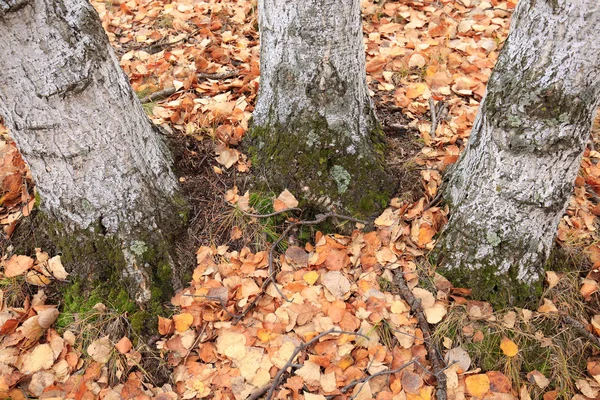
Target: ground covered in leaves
(359, 316)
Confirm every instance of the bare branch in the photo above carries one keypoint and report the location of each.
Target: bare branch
(434, 355)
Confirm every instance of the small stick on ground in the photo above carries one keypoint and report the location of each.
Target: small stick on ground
(434, 355)
(271, 278)
(579, 327)
(162, 94)
(270, 388)
(434, 119)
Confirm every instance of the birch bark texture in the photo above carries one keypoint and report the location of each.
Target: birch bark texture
(314, 127)
(511, 186)
(99, 165)
(94, 155)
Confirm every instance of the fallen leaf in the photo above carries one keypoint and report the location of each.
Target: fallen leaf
(284, 201)
(183, 321)
(509, 348)
(538, 378)
(124, 345)
(477, 385)
(337, 284)
(311, 277)
(17, 265)
(459, 356)
(547, 307)
(56, 268)
(100, 350)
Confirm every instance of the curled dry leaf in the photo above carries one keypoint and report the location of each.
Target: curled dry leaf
(56, 268)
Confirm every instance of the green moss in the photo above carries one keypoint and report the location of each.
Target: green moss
(322, 167)
(97, 262)
(501, 290)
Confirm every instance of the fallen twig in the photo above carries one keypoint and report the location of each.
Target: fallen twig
(162, 94)
(434, 355)
(217, 75)
(434, 120)
(158, 46)
(270, 389)
(579, 327)
(247, 214)
(368, 378)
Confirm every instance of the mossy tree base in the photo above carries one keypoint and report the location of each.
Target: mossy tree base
(512, 184)
(312, 161)
(314, 131)
(133, 273)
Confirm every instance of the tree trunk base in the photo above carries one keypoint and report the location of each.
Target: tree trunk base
(322, 175)
(133, 273)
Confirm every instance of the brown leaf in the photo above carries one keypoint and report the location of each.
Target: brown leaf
(17, 265)
(124, 345)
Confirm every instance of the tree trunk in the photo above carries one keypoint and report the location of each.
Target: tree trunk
(314, 128)
(98, 162)
(512, 184)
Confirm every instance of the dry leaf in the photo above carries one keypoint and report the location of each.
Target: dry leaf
(284, 201)
(336, 283)
(17, 265)
(56, 268)
(231, 344)
(436, 313)
(228, 157)
(538, 378)
(310, 277)
(183, 321)
(124, 345)
(547, 307)
(100, 350)
(459, 356)
(509, 348)
(477, 385)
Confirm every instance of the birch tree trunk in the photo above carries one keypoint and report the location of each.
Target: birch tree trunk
(512, 184)
(314, 128)
(98, 163)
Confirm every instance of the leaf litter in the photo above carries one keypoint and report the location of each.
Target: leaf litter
(344, 333)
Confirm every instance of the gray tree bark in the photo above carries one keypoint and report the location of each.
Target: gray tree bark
(314, 128)
(97, 161)
(511, 186)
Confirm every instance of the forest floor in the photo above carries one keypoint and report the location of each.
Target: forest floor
(348, 317)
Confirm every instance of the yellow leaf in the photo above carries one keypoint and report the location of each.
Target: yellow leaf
(509, 348)
(548, 307)
(37, 279)
(477, 385)
(183, 321)
(311, 277)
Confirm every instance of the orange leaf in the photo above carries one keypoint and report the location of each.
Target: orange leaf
(477, 385)
(183, 321)
(509, 348)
